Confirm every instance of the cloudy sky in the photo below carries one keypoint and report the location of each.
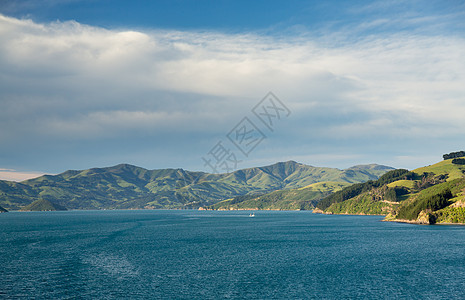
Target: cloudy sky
(161, 84)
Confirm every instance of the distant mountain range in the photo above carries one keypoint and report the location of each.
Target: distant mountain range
(427, 195)
(129, 187)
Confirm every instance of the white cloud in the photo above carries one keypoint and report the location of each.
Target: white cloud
(83, 82)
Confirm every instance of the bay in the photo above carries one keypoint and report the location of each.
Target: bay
(150, 254)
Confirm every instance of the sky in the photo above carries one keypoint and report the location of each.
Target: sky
(185, 84)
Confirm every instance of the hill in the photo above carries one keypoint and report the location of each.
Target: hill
(43, 205)
(294, 199)
(427, 195)
(129, 187)
(2, 210)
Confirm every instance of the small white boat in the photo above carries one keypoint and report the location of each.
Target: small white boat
(252, 215)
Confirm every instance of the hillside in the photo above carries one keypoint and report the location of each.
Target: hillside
(128, 187)
(294, 199)
(43, 205)
(427, 195)
(2, 210)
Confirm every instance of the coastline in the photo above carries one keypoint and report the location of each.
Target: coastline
(319, 211)
(386, 219)
(252, 209)
(415, 222)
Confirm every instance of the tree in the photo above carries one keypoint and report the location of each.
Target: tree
(454, 155)
(458, 161)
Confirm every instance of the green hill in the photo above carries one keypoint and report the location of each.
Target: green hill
(294, 199)
(43, 205)
(127, 187)
(427, 195)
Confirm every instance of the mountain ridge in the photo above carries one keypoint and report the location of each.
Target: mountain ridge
(129, 186)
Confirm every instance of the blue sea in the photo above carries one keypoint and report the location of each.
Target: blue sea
(150, 254)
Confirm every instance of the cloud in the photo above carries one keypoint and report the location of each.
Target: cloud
(66, 82)
(13, 175)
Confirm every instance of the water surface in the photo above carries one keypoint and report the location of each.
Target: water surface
(211, 254)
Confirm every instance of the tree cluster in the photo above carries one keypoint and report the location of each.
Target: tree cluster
(393, 194)
(458, 161)
(433, 202)
(359, 188)
(454, 155)
(429, 179)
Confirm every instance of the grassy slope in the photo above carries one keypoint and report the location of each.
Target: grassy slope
(368, 203)
(14, 195)
(407, 209)
(43, 205)
(301, 198)
(443, 168)
(453, 213)
(362, 205)
(373, 169)
(126, 186)
(402, 183)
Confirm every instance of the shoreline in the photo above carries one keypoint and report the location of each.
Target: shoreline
(316, 211)
(252, 209)
(319, 211)
(413, 222)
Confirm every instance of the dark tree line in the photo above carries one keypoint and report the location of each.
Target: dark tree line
(429, 179)
(433, 203)
(454, 155)
(458, 161)
(394, 194)
(359, 188)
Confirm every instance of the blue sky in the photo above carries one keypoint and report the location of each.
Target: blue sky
(159, 83)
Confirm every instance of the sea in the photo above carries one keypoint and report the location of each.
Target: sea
(189, 254)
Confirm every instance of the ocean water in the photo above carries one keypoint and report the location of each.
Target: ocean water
(212, 254)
